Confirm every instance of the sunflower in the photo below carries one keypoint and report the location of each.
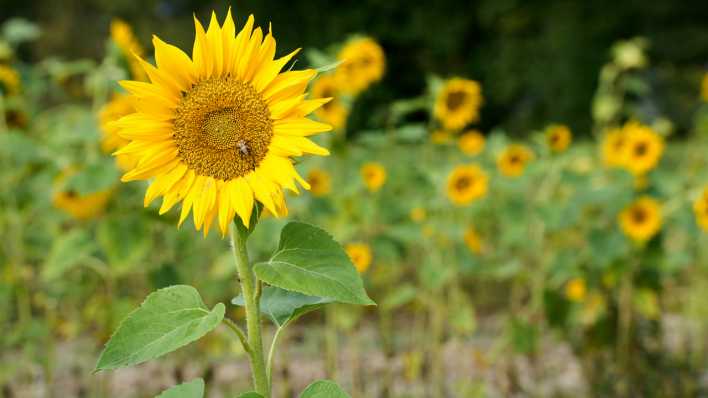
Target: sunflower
(612, 147)
(333, 112)
(700, 208)
(575, 289)
(458, 103)
(116, 108)
(320, 182)
(418, 214)
(374, 175)
(513, 159)
(360, 254)
(362, 63)
(466, 183)
(9, 80)
(704, 87)
(558, 137)
(81, 207)
(642, 219)
(473, 240)
(643, 148)
(123, 37)
(217, 131)
(471, 142)
(441, 137)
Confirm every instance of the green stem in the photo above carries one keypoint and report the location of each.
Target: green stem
(271, 354)
(241, 335)
(238, 235)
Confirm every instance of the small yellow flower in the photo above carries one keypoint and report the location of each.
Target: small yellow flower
(473, 240)
(612, 147)
(363, 63)
(81, 207)
(334, 112)
(360, 254)
(9, 81)
(643, 148)
(642, 219)
(704, 87)
(558, 137)
(700, 208)
(513, 160)
(471, 143)
(320, 182)
(374, 175)
(119, 106)
(575, 289)
(441, 137)
(466, 183)
(418, 214)
(458, 103)
(123, 37)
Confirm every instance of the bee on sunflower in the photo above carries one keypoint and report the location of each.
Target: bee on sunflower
(642, 219)
(558, 137)
(362, 63)
(320, 182)
(700, 209)
(471, 142)
(466, 183)
(458, 102)
(513, 159)
(472, 240)
(360, 255)
(217, 131)
(9, 81)
(334, 112)
(123, 37)
(643, 148)
(612, 147)
(374, 175)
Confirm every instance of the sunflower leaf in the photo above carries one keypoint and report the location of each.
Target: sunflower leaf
(191, 389)
(324, 389)
(310, 262)
(167, 320)
(283, 306)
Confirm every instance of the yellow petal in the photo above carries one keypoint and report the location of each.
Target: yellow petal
(299, 127)
(175, 62)
(242, 199)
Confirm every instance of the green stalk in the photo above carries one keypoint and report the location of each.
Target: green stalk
(238, 234)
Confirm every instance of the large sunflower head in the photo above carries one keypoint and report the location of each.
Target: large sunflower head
(458, 102)
(120, 105)
(9, 80)
(360, 255)
(471, 142)
(700, 208)
(558, 137)
(641, 220)
(466, 183)
(217, 131)
(612, 147)
(362, 63)
(334, 112)
(123, 37)
(320, 182)
(513, 160)
(374, 175)
(643, 148)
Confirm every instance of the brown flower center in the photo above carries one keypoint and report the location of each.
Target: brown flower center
(455, 99)
(463, 183)
(222, 128)
(639, 215)
(641, 149)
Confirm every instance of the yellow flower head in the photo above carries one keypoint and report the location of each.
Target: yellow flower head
(360, 254)
(458, 103)
(642, 219)
(700, 208)
(119, 106)
(418, 214)
(320, 182)
(575, 289)
(441, 137)
(513, 159)
(217, 131)
(466, 183)
(374, 175)
(123, 37)
(333, 112)
(362, 63)
(643, 148)
(81, 207)
(473, 240)
(704, 87)
(558, 137)
(613, 145)
(471, 143)
(9, 80)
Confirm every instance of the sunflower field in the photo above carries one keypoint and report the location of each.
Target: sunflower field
(365, 199)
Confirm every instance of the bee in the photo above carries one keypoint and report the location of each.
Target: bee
(245, 151)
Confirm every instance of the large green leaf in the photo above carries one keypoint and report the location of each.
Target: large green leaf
(191, 389)
(324, 389)
(167, 320)
(310, 262)
(282, 306)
